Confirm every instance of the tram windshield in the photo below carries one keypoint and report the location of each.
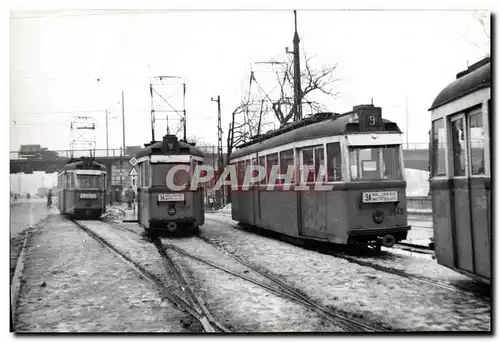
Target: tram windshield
(90, 181)
(161, 170)
(375, 163)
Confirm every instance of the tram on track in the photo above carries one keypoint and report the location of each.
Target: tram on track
(161, 207)
(360, 154)
(460, 182)
(82, 189)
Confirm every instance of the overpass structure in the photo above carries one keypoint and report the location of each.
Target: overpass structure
(416, 156)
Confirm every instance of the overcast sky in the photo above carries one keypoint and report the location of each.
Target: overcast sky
(57, 57)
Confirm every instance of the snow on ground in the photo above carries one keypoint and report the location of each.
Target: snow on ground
(417, 182)
(226, 210)
(377, 296)
(71, 284)
(238, 304)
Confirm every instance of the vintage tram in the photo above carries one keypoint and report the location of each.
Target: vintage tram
(161, 207)
(82, 189)
(460, 179)
(365, 198)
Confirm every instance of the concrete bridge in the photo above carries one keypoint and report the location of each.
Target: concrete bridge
(416, 156)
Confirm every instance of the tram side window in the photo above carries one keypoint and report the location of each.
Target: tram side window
(262, 162)
(458, 146)
(146, 178)
(438, 148)
(334, 162)
(319, 160)
(71, 180)
(272, 159)
(287, 161)
(476, 143)
(241, 172)
(307, 160)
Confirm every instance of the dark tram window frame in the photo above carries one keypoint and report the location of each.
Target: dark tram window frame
(438, 148)
(334, 162)
(472, 114)
(459, 163)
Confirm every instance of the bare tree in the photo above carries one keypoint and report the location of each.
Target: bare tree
(313, 80)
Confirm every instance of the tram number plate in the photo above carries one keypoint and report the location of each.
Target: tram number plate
(381, 196)
(88, 196)
(170, 197)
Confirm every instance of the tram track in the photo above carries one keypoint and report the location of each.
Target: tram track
(280, 288)
(322, 248)
(192, 305)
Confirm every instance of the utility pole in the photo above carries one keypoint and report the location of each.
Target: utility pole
(123, 150)
(220, 161)
(296, 73)
(184, 106)
(107, 142)
(407, 131)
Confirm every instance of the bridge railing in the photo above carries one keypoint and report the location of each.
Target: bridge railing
(416, 146)
(65, 154)
(116, 152)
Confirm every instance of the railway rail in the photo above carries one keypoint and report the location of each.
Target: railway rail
(192, 305)
(281, 289)
(328, 250)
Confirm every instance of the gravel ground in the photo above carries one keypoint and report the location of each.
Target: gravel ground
(238, 304)
(357, 290)
(71, 283)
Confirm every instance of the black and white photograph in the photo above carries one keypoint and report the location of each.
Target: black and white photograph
(283, 170)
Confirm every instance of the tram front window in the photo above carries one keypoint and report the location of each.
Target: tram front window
(88, 181)
(375, 163)
(160, 172)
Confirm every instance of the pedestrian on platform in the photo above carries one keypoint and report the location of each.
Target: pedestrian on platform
(49, 198)
(111, 195)
(130, 194)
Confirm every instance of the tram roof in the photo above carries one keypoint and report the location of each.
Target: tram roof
(333, 124)
(85, 165)
(156, 148)
(476, 77)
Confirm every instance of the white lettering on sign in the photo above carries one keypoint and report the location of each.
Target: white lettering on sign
(380, 196)
(88, 196)
(170, 197)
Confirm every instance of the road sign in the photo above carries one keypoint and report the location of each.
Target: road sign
(132, 172)
(133, 161)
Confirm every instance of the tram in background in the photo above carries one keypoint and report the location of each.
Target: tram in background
(362, 156)
(82, 189)
(163, 208)
(460, 182)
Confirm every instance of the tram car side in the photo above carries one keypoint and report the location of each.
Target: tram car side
(160, 206)
(460, 157)
(363, 200)
(82, 189)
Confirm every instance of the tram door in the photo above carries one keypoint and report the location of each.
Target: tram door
(468, 195)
